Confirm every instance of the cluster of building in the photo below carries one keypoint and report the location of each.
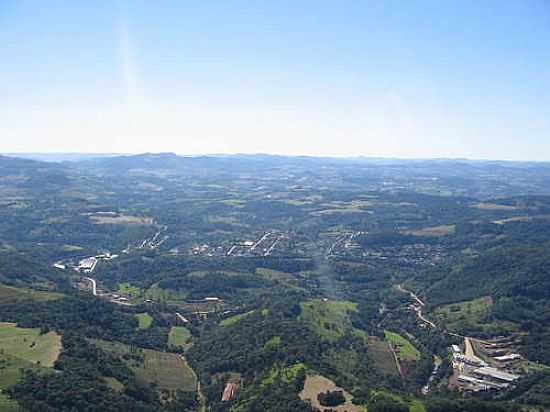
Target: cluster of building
(85, 265)
(266, 245)
(495, 373)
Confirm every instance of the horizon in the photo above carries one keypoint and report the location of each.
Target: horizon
(31, 155)
(420, 79)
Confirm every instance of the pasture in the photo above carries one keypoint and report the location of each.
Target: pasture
(178, 337)
(144, 320)
(404, 349)
(29, 345)
(328, 318)
(317, 384)
(10, 293)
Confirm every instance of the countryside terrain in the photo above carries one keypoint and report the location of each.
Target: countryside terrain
(159, 282)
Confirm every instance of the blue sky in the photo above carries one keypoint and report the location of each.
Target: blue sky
(385, 78)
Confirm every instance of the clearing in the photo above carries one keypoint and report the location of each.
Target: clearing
(105, 219)
(29, 345)
(382, 356)
(404, 349)
(434, 231)
(145, 320)
(10, 293)
(168, 371)
(178, 337)
(317, 384)
(328, 318)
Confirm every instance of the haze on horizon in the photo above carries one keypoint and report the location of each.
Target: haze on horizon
(415, 79)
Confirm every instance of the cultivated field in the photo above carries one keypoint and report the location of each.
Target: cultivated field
(382, 356)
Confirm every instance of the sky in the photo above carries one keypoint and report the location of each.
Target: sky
(409, 79)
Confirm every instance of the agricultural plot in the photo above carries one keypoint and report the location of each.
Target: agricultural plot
(404, 349)
(103, 219)
(434, 231)
(168, 371)
(234, 319)
(29, 345)
(8, 405)
(382, 356)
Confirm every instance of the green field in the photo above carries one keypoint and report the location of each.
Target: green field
(178, 337)
(167, 370)
(9, 293)
(472, 316)
(145, 320)
(234, 319)
(29, 345)
(405, 350)
(328, 318)
(128, 290)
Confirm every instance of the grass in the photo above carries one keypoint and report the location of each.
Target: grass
(404, 349)
(145, 320)
(382, 357)
(9, 293)
(471, 316)
(167, 370)
(114, 384)
(8, 405)
(493, 206)
(235, 318)
(328, 318)
(178, 337)
(129, 290)
(29, 345)
(314, 385)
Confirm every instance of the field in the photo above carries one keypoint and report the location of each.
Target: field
(494, 206)
(29, 344)
(167, 370)
(434, 231)
(178, 337)
(405, 350)
(314, 385)
(328, 318)
(382, 356)
(128, 290)
(145, 320)
(120, 220)
(9, 293)
(234, 319)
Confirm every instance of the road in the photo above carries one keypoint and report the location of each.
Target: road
(94, 286)
(417, 308)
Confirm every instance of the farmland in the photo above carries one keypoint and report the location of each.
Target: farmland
(382, 356)
(9, 293)
(314, 385)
